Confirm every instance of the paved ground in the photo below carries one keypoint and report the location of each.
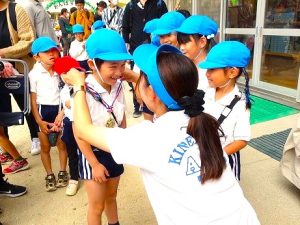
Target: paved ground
(276, 201)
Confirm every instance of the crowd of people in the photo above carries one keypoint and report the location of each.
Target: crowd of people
(196, 120)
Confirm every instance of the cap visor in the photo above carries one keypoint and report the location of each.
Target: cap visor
(210, 65)
(114, 56)
(160, 32)
(142, 54)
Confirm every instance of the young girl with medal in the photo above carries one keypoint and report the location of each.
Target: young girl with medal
(105, 98)
(185, 171)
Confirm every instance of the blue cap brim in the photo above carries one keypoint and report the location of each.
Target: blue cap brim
(210, 65)
(45, 48)
(114, 56)
(160, 32)
(145, 57)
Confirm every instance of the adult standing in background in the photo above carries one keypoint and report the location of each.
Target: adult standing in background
(39, 18)
(136, 14)
(66, 30)
(100, 8)
(113, 16)
(82, 16)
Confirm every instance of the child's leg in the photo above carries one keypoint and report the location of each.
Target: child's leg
(111, 208)
(45, 152)
(7, 145)
(63, 156)
(96, 193)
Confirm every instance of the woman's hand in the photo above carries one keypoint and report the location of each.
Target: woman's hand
(74, 77)
(99, 173)
(130, 75)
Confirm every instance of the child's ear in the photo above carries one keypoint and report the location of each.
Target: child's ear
(91, 64)
(36, 57)
(202, 42)
(233, 72)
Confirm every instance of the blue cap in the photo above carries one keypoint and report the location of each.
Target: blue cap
(77, 28)
(145, 56)
(168, 23)
(227, 54)
(199, 24)
(98, 25)
(150, 26)
(42, 44)
(107, 45)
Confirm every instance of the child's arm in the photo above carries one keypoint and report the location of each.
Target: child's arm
(123, 123)
(42, 124)
(99, 171)
(58, 121)
(235, 146)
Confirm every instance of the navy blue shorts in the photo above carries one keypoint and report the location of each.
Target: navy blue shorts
(67, 132)
(105, 158)
(48, 113)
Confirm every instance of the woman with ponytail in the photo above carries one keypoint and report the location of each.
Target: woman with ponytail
(185, 171)
(225, 63)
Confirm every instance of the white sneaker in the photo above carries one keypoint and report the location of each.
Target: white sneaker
(72, 188)
(35, 146)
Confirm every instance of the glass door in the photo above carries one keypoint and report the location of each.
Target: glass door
(270, 29)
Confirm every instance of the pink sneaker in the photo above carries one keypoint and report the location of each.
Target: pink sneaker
(5, 158)
(16, 166)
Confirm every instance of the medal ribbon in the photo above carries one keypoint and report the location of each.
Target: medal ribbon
(98, 98)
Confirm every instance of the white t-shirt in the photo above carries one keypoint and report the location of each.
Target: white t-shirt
(203, 82)
(77, 51)
(44, 85)
(65, 96)
(98, 112)
(170, 164)
(237, 124)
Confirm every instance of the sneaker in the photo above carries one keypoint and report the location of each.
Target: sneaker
(62, 179)
(35, 146)
(16, 166)
(50, 182)
(10, 190)
(5, 158)
(137, 113)
(72, 187)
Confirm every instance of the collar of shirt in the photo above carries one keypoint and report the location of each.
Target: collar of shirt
(225, 100)
(40, 69)
(98, 88)
(173, 119)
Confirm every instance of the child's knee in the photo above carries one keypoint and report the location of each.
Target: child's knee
(97, 207)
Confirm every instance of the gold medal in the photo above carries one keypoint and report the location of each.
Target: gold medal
(110, 123)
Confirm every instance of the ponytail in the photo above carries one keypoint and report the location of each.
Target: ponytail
(247, 89)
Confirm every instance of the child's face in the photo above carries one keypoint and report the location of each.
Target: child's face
(48, 57)
(112, 71)
(217, 77)
(192, 48)
(170, 39)
(79, 36)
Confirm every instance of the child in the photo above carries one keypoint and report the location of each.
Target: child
(186, 175)
(44, 88)
(99, 24)
(225, 63)
(166, 27)
(101, 174)
(77, 48)
(194, 37)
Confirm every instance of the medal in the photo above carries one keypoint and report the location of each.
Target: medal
(110, 123)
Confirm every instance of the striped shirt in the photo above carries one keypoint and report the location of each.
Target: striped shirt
(116, 22)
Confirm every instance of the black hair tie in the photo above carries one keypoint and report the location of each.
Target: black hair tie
(193, 106)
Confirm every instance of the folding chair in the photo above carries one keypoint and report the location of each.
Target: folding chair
(17, 84)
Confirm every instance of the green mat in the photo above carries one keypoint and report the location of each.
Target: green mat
(271, 144)
(263, 110)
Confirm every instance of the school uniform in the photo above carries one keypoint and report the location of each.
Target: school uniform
(47, 91)
(236, 126)
(100, 116)
(68, 135)
(78, 52)
(170, 167)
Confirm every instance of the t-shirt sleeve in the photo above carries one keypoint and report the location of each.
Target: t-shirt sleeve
(33, 82)
(132, 145)
(242, 129)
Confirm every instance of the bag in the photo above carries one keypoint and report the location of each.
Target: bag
(290, 161)
(69, 28)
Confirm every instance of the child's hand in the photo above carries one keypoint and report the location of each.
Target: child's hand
(59, 119)
(44, 126)
(68, 104)
(100, 173)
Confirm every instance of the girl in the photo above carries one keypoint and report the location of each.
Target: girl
(101, 174)
(194, 37)
(225, 63)
(185, 173)
(44, 94)
(166, 27)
